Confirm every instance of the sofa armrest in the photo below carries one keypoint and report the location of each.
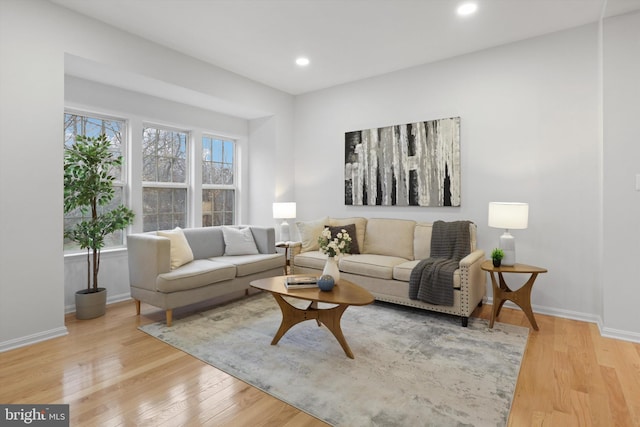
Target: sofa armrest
(265, 238)
(472, 281)
(295, 248)
(474, 257)
(149, 255)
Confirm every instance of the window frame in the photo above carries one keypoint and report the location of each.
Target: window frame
(123, 182)
(233, 186)
(169, 185)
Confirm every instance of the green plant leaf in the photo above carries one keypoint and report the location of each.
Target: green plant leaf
(88, 183)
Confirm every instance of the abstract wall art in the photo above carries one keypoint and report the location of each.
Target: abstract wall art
(416, 164)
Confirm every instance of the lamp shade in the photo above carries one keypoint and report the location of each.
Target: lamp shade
(284, 210)
(509, 215)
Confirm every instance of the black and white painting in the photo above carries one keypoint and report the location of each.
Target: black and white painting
(416, 164)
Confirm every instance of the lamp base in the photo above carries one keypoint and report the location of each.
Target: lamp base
(508, 246)
(284, 231)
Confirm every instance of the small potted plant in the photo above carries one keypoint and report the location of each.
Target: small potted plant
(497, 255)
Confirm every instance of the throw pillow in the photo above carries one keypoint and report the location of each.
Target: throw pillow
(181, 253)
(309, 232)
(361, 225)
(239, 241)
(349, 228)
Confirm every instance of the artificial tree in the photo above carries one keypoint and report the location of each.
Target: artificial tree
(88, 187)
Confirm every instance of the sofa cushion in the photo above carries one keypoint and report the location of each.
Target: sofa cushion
(180, 251)
(250, 264)
(196, 274)
(205, 242)
(309, 232)
(380, 266)
(392, 237)
(265, 238)
(422, 241)
(239, 241)
(359, 222)
(351, 230)
(402, 272)
(311, 259)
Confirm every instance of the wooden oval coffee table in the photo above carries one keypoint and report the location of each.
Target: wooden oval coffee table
(343, 295)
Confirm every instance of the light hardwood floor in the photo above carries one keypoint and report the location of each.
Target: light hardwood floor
(111, 374)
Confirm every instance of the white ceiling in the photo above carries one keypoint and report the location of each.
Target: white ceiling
(346, 40)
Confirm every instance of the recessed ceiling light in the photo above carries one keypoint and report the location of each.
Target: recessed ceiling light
(302, 61)
(467, 9)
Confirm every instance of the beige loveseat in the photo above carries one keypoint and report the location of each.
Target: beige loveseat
(389, 250)
(170, 269)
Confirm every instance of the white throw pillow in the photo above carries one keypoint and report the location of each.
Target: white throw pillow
(239, 241)
(180, 250)
(309, 232)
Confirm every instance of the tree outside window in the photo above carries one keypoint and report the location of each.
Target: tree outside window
(164, 175)
(218, 181)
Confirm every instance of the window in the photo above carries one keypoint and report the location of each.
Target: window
(218, 181)
(115, 129)
(164, 176)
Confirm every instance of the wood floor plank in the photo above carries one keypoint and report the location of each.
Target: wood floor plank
(582, 397)
(562, 382)
(627, 357)
(620, 414)
(112, 374)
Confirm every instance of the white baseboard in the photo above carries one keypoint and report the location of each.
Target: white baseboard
(620, 334)
(52, 333)
(583, 317)
(32, 339)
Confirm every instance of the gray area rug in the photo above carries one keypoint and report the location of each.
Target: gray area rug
(411, 368)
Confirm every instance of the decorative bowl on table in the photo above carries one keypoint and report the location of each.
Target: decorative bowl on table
(326, 283)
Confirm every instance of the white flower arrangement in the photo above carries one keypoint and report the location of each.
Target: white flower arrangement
(337, 246)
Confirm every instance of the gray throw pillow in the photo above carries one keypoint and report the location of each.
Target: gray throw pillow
(239, 241)
(349, 228)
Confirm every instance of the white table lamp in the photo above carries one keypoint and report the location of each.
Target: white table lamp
(510, 216)
(284, 211)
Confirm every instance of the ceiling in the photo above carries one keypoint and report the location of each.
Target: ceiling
(345, 40)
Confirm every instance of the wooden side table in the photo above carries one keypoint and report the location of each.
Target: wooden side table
(502, 293)
(287, 262)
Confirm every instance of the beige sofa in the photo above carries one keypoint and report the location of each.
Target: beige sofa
(389, 249)
(164, 274)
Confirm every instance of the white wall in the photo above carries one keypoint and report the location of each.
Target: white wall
(529, 132)
(35, 36)
(621, 165)
(31, 99)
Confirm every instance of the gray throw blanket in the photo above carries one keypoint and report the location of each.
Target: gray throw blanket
(432, 279)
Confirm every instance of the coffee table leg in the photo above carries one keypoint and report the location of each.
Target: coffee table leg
(291, 316)
(314, 306)
(329, 317)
